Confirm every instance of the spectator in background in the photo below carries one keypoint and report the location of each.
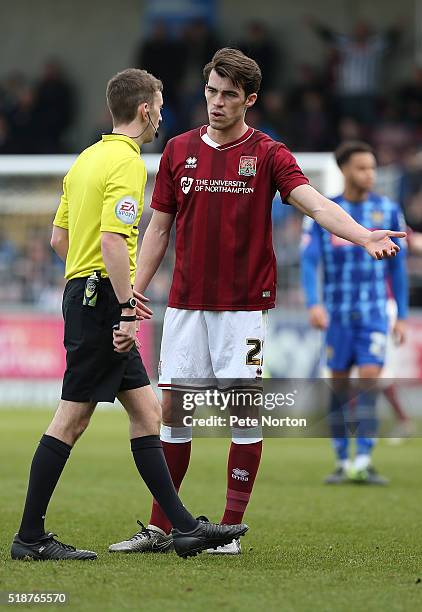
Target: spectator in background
(54, 108)
(199, 43)
(308, 79)
(34, 118)
(257, 120)
(22, 134)
(8, 252)
(359, 58)
(391, 132)
(258, 45)
(275, 113)
(311, 128)
(310, 125)
(33, 267)
(411, 190)
(10, 91)
(411, 199)
(16, 115)
(163, 55)
(4, 133)
(103, 125)
(349, 129)
(409, 100)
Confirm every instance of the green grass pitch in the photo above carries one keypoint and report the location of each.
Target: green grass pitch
(309, 548)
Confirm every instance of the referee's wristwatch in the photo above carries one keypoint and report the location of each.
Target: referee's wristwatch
(131, 303)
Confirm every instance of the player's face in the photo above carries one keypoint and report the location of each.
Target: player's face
(154, 110)
(226, 102)
(360, 171)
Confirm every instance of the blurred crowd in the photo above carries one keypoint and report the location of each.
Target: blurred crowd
(30, 271)
(313, 109)
(309, 107)
(35, 115)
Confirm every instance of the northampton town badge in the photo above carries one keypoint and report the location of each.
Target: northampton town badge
(247, 165)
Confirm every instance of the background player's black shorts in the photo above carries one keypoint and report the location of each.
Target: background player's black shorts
(94, 371)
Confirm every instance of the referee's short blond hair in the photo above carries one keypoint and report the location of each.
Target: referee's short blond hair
(128, 89)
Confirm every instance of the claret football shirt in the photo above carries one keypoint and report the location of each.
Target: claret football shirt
(222, 198)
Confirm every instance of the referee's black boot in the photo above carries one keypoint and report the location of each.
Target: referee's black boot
(205, 535)
(47, 548)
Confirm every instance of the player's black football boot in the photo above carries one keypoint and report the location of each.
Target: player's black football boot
(205, 535)
(47, 548)
(339, 476)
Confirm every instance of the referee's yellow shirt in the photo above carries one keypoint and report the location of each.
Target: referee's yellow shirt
(102, 192)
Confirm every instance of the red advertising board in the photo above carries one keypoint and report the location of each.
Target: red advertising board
(31, 346)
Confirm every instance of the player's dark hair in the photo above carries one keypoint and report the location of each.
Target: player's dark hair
(128, 89)
(345, 151)
(242, 70)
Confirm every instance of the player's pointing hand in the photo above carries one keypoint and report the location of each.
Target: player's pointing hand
(380, 245)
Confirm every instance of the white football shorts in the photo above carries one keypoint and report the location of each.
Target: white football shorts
(204, 344)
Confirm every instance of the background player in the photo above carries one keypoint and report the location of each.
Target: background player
(355, 303)
(96, 232)
(218, 182)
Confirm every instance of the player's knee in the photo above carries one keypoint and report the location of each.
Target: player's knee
(156, 415)
(168, 418)
(172, 410)
(146, 414)
(78, 427)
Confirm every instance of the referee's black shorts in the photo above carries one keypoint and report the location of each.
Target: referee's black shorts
(94, 371)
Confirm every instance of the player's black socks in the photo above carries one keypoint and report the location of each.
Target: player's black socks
(149, 458)
(47, 465)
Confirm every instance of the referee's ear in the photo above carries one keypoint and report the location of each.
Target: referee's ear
(143, 111)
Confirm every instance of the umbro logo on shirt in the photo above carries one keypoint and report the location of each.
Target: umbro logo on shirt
(191, 162)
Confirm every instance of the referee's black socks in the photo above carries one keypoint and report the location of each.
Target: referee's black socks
(149, 458)
(47, 465)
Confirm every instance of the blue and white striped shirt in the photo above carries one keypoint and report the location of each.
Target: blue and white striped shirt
(355, 284)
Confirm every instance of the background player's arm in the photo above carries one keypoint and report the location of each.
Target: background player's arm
(153, 249)
(310, 259)
(323, 31)
(336, 220)
(60, 241)
(399, 284)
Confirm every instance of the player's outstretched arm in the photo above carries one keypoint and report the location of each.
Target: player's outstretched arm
(333, 218)
(153, 249)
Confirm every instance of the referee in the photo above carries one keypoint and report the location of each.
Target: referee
(95, 232)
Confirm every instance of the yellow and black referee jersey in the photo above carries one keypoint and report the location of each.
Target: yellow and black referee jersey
(102, 192)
